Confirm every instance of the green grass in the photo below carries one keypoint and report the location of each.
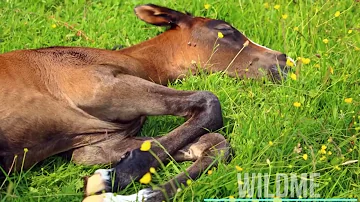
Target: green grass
(261, 122)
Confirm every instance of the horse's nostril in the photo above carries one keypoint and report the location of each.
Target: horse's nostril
(282, 57)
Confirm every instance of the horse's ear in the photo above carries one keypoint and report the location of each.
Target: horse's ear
(160, 16)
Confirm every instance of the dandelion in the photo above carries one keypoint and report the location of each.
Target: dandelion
(293, 76)
(331, 70)
(146, 179)
(348, 100)
(207, 6)
(152, 170)
(326, 41)
(350, 31)
(297, 104)
(238, 168)
(146, 145)
(317, 65)
(220, 35)
(277, 6)
(305, 157)
(266, 5)
(296, 28)
(188, 182)
(337, 14)
(53, 26)
(305, 61)
(271, 143)
(284, 16)
(289, 63)
(210, 172)
(329, 153)
(323, 149)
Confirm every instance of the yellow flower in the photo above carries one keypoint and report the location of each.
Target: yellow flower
(296, 28)
(348, 100)
(152, 170)
(220, 35)
(350, 31)
(305, 157)
(277, 6)
(317, 65)
(231, 197)
(297, 104)
(329, 153)
(323, 147)
(337, 14)
(284, 16)
(271, 143)
(323, 158)
(266, 5)
(53, 26)
(238, 168)
(325, 41)
(337, 168)
(293, 77)
(188, 182)
(210, 172)
(207, 6)
(146, 145)
(146, 179)
(331, 70)
(289, 63)
(305, 61)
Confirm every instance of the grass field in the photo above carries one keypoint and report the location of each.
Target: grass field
(262, 122)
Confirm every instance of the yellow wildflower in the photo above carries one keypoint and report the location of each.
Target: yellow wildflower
(53, 26)
(266, 5)
(210, 172)
(323, 158)
(146, 179)
(152, 170)
(305, 157)
(277, 6)
(293, 77)
(231, 197)
(146, 145)
(348, 100)
(188, 182)
(323, 147)
(337, 14)
(296, 28)
(337, 168)
(238, 168)
(305, 61)
(284, 16)
(350, 31)
(329, 153)
(207, 6)
(326, 41)
(297, 104)
(220, 35)
(271, 143)
(289, 63)
(331, 70)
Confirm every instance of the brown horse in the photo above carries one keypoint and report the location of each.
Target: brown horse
(93, 102)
